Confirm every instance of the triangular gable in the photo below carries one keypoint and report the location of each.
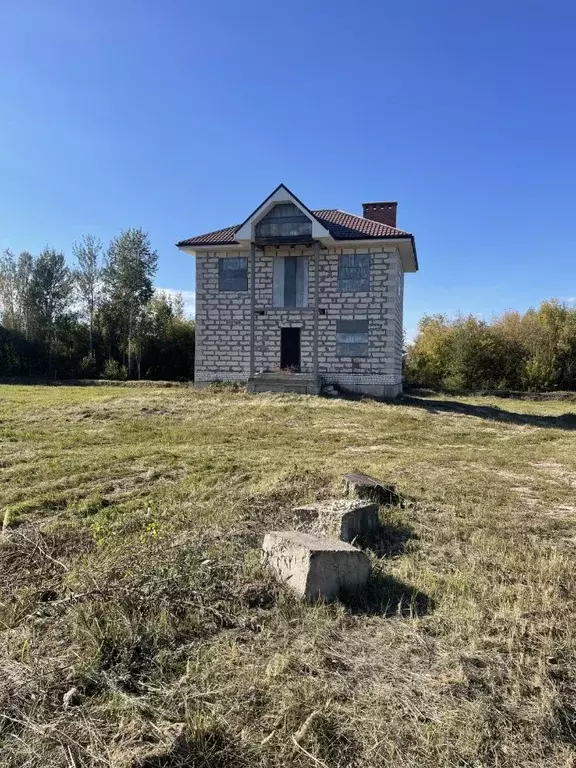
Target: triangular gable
(245, 232)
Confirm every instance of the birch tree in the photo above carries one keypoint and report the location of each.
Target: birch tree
(15, 298)
(128, 277)
(88, 279)
(50, 295)
(8, 300)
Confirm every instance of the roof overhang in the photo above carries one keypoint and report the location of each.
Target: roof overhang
(405, 246)
(245, 233)
(408, 255)
(205, 247)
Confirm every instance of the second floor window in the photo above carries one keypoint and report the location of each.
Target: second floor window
(233, 274)
(354, 272)
(290, 281)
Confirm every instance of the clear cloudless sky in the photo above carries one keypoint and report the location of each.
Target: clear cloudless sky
(181, 116)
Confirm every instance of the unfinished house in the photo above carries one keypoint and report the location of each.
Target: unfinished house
(294, 299)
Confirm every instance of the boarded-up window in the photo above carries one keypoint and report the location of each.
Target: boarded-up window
(233, 274)
(354, 272)
(291, 281)
(352, 338)
(284, 222)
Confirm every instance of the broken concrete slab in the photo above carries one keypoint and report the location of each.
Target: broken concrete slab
(343, 519)
(314, 566)
(361, 486)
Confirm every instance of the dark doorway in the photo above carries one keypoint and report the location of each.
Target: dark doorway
(290, 348)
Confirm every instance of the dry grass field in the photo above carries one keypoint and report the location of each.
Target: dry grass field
(139, 630)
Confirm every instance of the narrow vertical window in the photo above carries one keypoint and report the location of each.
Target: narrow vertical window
(291, 281)
(290, 266)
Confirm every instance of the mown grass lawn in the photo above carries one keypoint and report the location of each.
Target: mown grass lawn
(138, 627)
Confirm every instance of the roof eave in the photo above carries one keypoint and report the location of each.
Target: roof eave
(408, 255)
(193, 248)
(406, 243)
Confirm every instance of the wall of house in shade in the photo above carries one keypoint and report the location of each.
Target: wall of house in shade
(222, 325)
(223, 320)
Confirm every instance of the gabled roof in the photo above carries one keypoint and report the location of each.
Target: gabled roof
(341, 225)
(281, 194)
(328, 225)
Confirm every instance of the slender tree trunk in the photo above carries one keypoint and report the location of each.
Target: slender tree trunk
(130, 342)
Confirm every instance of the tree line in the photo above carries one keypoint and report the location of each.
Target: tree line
(534, 351)
(100, 318)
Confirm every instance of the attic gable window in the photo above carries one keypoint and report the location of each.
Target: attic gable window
(354, 272)
(233, 274)
(352, 338)
(284, 221)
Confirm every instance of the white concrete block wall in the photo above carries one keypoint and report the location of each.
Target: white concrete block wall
(267, 325)
(222, 325)
(398, 317)
(378, 306)
(223, 320)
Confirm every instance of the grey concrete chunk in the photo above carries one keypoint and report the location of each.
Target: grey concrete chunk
(314, 566)
(361, 486)
(341, 518)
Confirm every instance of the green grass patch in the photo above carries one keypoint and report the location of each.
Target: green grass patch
(131, 577)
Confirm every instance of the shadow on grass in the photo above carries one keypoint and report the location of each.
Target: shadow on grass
(388, 540)
(385, 595)
(490, 412)
(210, 748)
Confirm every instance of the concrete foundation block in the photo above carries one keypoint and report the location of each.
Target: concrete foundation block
(341, 518)
(299, 383)
(360, 486)
(315, 567)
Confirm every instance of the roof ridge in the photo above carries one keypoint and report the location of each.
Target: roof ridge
(363, 218)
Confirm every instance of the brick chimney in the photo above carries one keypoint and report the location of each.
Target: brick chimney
(385, 213)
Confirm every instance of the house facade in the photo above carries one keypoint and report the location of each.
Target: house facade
(316, 294)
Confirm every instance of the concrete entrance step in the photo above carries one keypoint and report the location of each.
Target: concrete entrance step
(301, 383)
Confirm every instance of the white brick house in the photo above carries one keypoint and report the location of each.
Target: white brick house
(316, 293)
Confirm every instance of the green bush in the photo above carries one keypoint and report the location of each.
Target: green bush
(534, 351)
(88, 367)
(114, 371)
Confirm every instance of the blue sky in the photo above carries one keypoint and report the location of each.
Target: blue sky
(181, 116)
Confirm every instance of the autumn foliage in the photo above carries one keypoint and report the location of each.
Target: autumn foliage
(534, 351)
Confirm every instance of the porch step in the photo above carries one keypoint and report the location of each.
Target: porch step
(301, 383)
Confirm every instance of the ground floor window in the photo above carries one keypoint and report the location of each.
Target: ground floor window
(352, 338)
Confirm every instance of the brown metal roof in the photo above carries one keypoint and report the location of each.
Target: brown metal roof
(341, 225)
